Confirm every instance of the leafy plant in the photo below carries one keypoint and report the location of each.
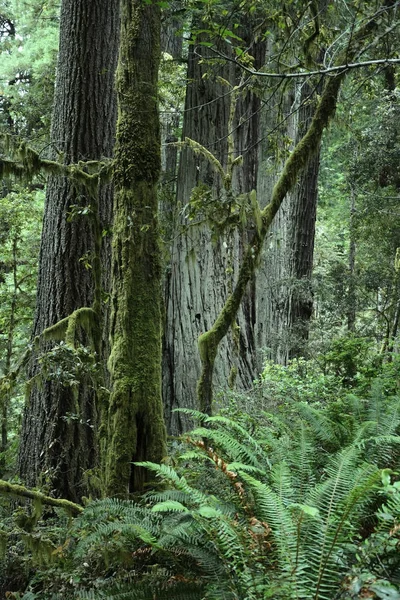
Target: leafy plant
(278, 513)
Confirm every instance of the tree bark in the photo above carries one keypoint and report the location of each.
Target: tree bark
(58, 433)
(136, 426)
(351, 292)
(203, 269)
(294, 166)
(287, 299)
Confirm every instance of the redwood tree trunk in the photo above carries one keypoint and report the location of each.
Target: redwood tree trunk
(58, 434)
(203, 269)
(285, 303)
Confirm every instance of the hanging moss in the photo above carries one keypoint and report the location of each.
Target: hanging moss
(25, 163)
(66, 328)
(199, 149)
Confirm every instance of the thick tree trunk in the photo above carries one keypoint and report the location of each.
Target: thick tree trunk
(203, 269)
(296, 163)
(136, 426)
(58, 434)
(286, 306)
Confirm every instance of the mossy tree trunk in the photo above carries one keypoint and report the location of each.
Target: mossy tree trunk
(58, 434)
(136, 426)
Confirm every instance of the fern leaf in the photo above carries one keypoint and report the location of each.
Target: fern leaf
(170, 506)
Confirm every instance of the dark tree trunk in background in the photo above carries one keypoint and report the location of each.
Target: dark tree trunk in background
(58, 434)
(203, 270)
(286, 301)
(170, 116)
(302, 219)
(351, 291)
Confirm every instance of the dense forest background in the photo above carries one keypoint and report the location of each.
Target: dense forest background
(200, 299)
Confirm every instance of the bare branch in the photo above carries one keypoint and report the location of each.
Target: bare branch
(302, 74)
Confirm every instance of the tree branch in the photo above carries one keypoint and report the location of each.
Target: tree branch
(22, 492)
(301, 74)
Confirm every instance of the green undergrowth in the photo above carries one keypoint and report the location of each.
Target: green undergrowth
(297, 499)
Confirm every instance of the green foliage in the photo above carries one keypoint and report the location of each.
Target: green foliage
(20, 224)
(29, 54)
(281, 522)
(302, 502)
(68, 365)
(358, 192)
(376, 569)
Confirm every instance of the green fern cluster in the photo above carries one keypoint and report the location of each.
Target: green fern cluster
(280, 513)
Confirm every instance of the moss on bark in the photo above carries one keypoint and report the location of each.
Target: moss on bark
(135, 421)
(20, 491)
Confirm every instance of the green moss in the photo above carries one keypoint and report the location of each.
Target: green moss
(135, 423)
(27, 163)
(66, 329)
(20, 491)
(135, 359)
(214, 162)
(232, 378)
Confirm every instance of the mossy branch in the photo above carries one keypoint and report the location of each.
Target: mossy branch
(27, 163)
(209, 156)
(21, 491)
(65, 329)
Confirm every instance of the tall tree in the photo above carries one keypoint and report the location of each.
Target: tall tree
(284, 317)
(295, 164)
(57, 441)
(224, 120)
(136, 426)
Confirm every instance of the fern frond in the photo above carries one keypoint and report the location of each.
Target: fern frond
(170, 506)
(242, 467)
(196, 415)
(233, 448)
(281, 482)
(338, 500)
(238, 429)
(270, 508)
(168, 474)
(302, 461)
(323, 428)
(168, 494)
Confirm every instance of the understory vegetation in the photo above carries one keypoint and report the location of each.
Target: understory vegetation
(290, 491)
